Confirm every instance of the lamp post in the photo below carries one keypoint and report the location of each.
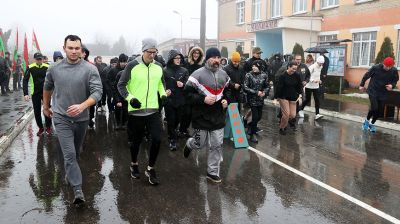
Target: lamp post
(176, 12)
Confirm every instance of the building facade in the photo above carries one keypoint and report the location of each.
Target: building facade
(276, 25)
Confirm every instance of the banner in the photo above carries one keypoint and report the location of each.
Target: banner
(234, 127)
(35, 43)
(2, 50)
(25, 59)
(15, 56)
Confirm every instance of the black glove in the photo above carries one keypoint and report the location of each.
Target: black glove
(135, 103)
(164, 100)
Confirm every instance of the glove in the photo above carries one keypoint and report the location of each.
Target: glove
(135, 103)
(164, 100)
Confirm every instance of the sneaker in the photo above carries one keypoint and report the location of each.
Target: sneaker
(365, 125)
(282, 131)
(99, 109)
(214, 178)
(253, 138)
(301, 113)
(372, 128)
(172, 145)
(103, 108)
(318, 116)
(40, 132)
(186, 151)
(79, 198)
(151, 174)
(49, 131)
(258, 130)
(135, 171)
(184, 134)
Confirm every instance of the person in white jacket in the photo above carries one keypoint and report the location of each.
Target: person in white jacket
(313, 86)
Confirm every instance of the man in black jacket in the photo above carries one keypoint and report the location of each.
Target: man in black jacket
(205, 91)
(256, 56)
(36, 74)
(236, 73)
(3, 76)
(175, 77)
(383, 78)
(121, 105)
(98, 62)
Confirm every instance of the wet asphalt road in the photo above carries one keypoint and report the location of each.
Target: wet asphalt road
(254, 189)
(12, 109)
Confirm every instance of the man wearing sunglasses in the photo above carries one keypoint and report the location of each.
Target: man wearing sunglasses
(140, 83)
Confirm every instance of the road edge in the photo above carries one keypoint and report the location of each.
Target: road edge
(6, 140)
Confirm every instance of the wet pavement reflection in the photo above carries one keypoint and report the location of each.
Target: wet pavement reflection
(254, 189)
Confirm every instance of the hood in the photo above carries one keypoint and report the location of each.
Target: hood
(172, 54)
(190, 57)
(57, 54)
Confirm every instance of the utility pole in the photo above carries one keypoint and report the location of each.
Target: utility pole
(203, 25)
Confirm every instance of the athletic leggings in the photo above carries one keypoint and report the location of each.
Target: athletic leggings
(375, 109)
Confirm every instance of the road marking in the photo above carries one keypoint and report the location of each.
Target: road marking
(327, 187)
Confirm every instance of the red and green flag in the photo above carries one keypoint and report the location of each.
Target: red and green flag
(25, 60)
(2, 49)
(35, 43)
(15, 58)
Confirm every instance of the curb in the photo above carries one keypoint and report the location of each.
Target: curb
(349, 117)
(6, 140)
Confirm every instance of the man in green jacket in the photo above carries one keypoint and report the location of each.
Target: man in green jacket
(140, 84)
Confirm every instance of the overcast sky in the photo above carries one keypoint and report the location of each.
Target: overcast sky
(52, 20)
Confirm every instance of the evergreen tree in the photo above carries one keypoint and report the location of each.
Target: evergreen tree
(298, 49)
(386, 51)
(224, 52)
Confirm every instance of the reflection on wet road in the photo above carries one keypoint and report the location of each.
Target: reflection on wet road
(254, 189)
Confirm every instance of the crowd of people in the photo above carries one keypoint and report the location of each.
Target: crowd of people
(193, 92)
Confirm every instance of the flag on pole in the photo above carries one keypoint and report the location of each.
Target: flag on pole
(2, 49)
(313, 5)
(25, 60)
(35, 43)
(15, 58)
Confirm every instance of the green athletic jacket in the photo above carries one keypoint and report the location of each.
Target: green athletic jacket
(142, 82)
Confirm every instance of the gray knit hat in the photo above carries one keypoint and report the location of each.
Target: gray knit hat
(148, 43)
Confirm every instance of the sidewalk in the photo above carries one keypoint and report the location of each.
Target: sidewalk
(14, 114)
(347, 111)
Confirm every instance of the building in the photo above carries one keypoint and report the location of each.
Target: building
(182, 45)
(276, 25)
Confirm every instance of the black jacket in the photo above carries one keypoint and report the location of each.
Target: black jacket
(379, 79)
(237, 76)
(253, 83)
(3, 68)
(304, 72)
(172, 74)
(289, 86)
(116, 95)
(37, 74)
(112, 79)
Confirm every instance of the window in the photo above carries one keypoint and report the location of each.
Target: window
(276, 6)
(299, 6)
(325, 38)
(329, 3)
(256, 10)
(364, 45)
(398, 49)
(240, 12)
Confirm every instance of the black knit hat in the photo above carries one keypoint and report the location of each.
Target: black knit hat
(259, 64)
(123, 58)
(212, 52)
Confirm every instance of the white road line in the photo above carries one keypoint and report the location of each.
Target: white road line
(329, 188)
